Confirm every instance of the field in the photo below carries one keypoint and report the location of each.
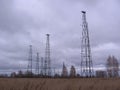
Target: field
(59, 84)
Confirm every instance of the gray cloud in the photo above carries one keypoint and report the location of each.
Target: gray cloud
(24, 22)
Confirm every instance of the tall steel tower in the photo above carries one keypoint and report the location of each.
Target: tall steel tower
(47, 65)
(86, 60)
(29, 69)
(37, 64)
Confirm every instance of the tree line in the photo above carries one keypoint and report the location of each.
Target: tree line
(112, 70)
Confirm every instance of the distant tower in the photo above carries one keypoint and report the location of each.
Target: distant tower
(86, 60)
(47, 65)
(37, 64)
(42, 66)
(29, 69)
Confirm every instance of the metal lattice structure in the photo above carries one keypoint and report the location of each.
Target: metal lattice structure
(37, 64)
(29, 69)
(42, 66)
(86, 59)
(47, 64)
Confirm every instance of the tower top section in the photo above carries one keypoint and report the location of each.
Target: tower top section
(48, 34)
(84, 17)
(30, 46)
(83, 12)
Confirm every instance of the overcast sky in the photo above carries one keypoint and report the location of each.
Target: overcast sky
(25, 22)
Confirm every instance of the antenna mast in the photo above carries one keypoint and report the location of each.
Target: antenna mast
(86, 60)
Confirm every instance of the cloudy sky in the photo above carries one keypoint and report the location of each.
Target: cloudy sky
(25, 22)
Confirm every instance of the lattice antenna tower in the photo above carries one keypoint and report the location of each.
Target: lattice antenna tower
(47, 57)
(37, 64)
(29, 69)
(42, 66)
(86, 59)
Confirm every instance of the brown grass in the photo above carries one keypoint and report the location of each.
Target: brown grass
(59, 84)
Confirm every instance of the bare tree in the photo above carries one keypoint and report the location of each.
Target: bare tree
(115, 67)
(112, 66)
(64, 71)
(13, 74)
(20, 74)
(72, 72)
(109, 66)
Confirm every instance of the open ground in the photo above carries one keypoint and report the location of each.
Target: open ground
(59, 84)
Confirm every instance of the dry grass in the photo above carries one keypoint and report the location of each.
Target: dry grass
(59, 84)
